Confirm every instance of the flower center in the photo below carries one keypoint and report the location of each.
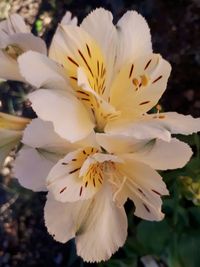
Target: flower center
(13, 51)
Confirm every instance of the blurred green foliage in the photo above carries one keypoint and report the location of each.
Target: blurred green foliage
(38, 25)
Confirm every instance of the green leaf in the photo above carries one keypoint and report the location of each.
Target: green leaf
(130, 262)
(153, 235)
(193, 167)
(189, 249)
(195, 214)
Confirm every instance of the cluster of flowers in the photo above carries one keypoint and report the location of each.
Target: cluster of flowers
(93, 144)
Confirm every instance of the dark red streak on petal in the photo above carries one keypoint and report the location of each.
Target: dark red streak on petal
(144, 103)
(75, 170)
(146, 207)
(80, 53)
(148, 63)
(62, 190)
(157, 79)
(156, 192)
(81, 190)
(73, 61)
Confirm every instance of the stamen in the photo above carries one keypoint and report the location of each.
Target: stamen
(135, 82)
(103, 72)
(144, 80)
(101, 176)
(103, 90)
(98, 67)
(102, 68)
(161, 117)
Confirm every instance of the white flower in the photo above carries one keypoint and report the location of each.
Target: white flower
(11, 129)
(90, 180)
(15, 39)
(41, 151)
(105, 78)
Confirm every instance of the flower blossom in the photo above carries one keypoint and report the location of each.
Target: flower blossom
(89, 182)
(15, 39)
(103, 79)
(94, 143)
(11, 129)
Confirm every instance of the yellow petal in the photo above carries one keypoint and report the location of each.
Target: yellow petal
(12, 122)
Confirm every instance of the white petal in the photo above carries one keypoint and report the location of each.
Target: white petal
(140, 129)
(100, 227)
(175, 123)
(60, 219)
(23, 42)
(41, 134)
(134, 38)
(160, 126)
(14, 24)
(115, 143)
(162, 155)
(32, 167)
(144, 187)
(103, 231)
(29, 42)
(68, 19)
(42, 72)
(68, 115)
(107, 32)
